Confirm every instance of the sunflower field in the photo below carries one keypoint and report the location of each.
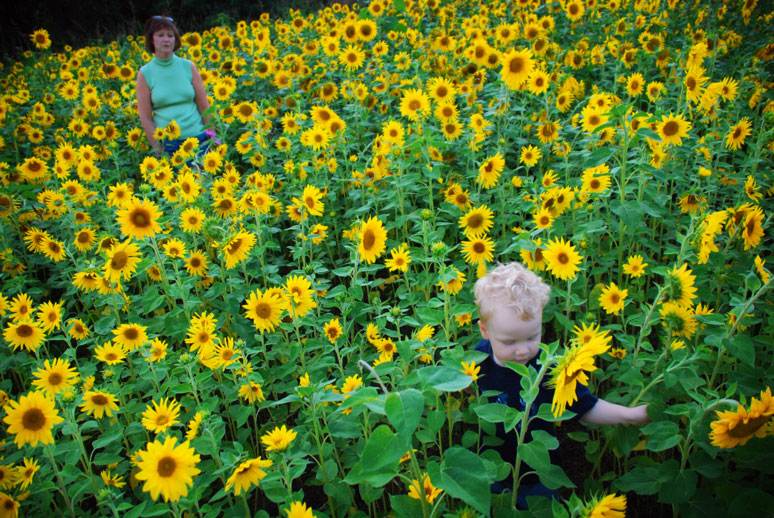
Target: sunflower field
(284, 324)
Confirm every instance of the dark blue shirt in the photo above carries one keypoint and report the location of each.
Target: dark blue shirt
(508, 385)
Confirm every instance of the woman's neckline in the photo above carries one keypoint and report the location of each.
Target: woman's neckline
(164, 62)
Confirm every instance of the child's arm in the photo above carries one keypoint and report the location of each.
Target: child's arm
(604, 412)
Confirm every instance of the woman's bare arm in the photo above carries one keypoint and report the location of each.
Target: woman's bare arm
(146, 112)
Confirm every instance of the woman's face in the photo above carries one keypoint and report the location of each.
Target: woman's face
(164, 41)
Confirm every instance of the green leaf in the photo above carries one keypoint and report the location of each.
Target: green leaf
(151, 300)
(105, 325)
(112, 435)
(137, 510)
(379, 461)
(405, 506)
(742, 347)
(445, 379)
(535, 453)
(104, 458)
(404, 410)
(462, 474)
(518, 368)
(680, 489)
(662, 435)
(630, 214)
(497, 413)
(643, 480)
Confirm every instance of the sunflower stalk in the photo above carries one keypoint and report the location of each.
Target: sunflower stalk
(62, 487)
(525, 418)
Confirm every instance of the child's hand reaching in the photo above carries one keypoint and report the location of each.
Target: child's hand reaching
(610, 413)
(639, 415)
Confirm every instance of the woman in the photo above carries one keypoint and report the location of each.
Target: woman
(170, 88)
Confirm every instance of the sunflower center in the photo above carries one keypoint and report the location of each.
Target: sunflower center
(615, 298)
(24, 331)
(161, 420)
(368, 239)
(538, 255)
(594, 184)
(227, 354)
(563, 258)
(516, 65)
(131, 334)
(737, 133)
(475, 221)
(671, 128)
(99, 400)
(750, 427)
(195, 262)
(141, 218)
(55, 378)
(414, 105)
(691, 83)
(33, 419)
(119, 260)
(750, 227)
(166, 467)
(111, 357)
(479, 247)
(234, 246)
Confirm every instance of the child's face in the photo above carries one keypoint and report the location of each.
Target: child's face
(512, 339)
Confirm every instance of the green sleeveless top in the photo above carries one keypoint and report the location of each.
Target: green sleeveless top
(172, 94)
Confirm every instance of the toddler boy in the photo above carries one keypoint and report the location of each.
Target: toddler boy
(510, 302)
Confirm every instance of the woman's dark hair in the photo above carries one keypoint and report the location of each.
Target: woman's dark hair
(156, 23)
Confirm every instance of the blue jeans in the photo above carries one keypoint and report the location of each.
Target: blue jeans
(524, 491)
(170, 146)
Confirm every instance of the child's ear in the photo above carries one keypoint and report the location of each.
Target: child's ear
(482, 328)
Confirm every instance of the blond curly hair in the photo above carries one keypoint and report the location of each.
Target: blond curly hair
(513, 286)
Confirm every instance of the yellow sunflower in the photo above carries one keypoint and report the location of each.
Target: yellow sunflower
(752, 231)
(373, 237)
(49, 316)
(122, 261)
(110, 353)
(612, 299)
(571, 369)
(399, 260)
(237, 249)
(673, 128)
(476, 222)
(161, 416)
(167, 469)
(332, 330)
(279, 438)
(299, 291)
(265, 309)
(55, 376)
(561, 259)
(139, 219)
(478, 250)
(414, 104)
(736, 135)
(735, 428)
(490, 170)
(99, 404)
(26, 334)
(517, 67)
(32, 419)
(247, 474)
(130, 336)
